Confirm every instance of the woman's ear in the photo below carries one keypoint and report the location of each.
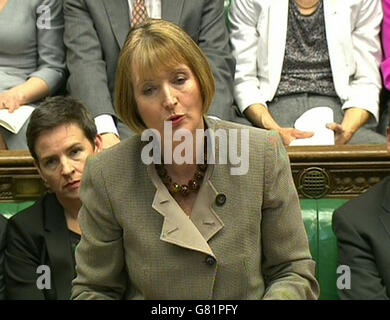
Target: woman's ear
(36, 163)
(98, 143)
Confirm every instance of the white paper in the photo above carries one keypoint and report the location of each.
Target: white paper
(315, 120)
(15, 120)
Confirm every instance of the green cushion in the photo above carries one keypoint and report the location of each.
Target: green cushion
(317, 217)
(327, 259)
(9, 209)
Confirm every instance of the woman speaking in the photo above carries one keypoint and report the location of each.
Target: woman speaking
(192, 229)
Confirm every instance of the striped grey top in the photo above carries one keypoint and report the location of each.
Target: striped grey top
(306, 66)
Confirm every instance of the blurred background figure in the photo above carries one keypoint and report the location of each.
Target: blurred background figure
(300, 54)
(385, 66)
(32, 57)
(362, 228)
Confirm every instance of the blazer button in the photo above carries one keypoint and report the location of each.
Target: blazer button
(220, 199)
(210, 260)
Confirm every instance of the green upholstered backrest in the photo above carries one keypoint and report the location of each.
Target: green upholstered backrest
(9, 209)
(317, 217)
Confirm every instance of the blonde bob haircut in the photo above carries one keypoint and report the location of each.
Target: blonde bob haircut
(151, 47)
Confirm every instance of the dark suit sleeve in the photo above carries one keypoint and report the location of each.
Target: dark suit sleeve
(3, 223)
(88, 76)
(22, 258)
(354, 251)
(214, 41)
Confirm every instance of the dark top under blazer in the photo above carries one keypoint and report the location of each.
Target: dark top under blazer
(38, 236)
(362, 227)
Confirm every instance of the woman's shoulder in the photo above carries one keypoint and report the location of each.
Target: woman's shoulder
(253, 132)
(28, 222)
(30, 214)
(125, 153)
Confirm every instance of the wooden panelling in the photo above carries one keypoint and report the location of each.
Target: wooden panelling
(337, 171)
(318, 171)
(19, 179)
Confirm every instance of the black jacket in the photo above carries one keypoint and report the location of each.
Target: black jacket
(38, 236)
(362, 227)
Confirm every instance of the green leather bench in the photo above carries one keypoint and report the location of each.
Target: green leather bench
(317, 216)
(9, 209)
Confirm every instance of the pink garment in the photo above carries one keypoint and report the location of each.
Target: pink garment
(385, 66)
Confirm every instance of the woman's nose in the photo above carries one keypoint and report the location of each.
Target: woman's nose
(169, 99)
(67, 167)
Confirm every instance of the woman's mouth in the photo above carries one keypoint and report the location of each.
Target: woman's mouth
(176, 119)
(73, 185)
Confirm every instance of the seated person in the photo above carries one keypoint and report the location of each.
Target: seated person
(296, 55)
(175, 230)
(95, 32)
(385, 66)
(32, 57)
(362, 228)
(3, 223)
(60, 136)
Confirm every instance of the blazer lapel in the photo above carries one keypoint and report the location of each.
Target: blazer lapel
(58, 247)
(385, 216)
(118, 14)
(203, 215)
(171, 10)
(177, 227)
(278, 17)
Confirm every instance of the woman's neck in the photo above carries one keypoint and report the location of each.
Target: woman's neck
(307, 7)
(181, 173)
(71, 210)
(71, 207)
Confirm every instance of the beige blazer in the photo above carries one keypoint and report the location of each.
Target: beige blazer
(244, 240)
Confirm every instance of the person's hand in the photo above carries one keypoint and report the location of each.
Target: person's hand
(11, 100)
(341, 136)
(290, 134)
(109, 139)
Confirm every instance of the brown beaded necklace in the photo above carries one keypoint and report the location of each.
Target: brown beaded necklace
(193, 184)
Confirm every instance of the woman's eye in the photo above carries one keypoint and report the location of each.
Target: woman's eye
(50, 163)
(75, 152)
(148, 91)
(181, 79)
